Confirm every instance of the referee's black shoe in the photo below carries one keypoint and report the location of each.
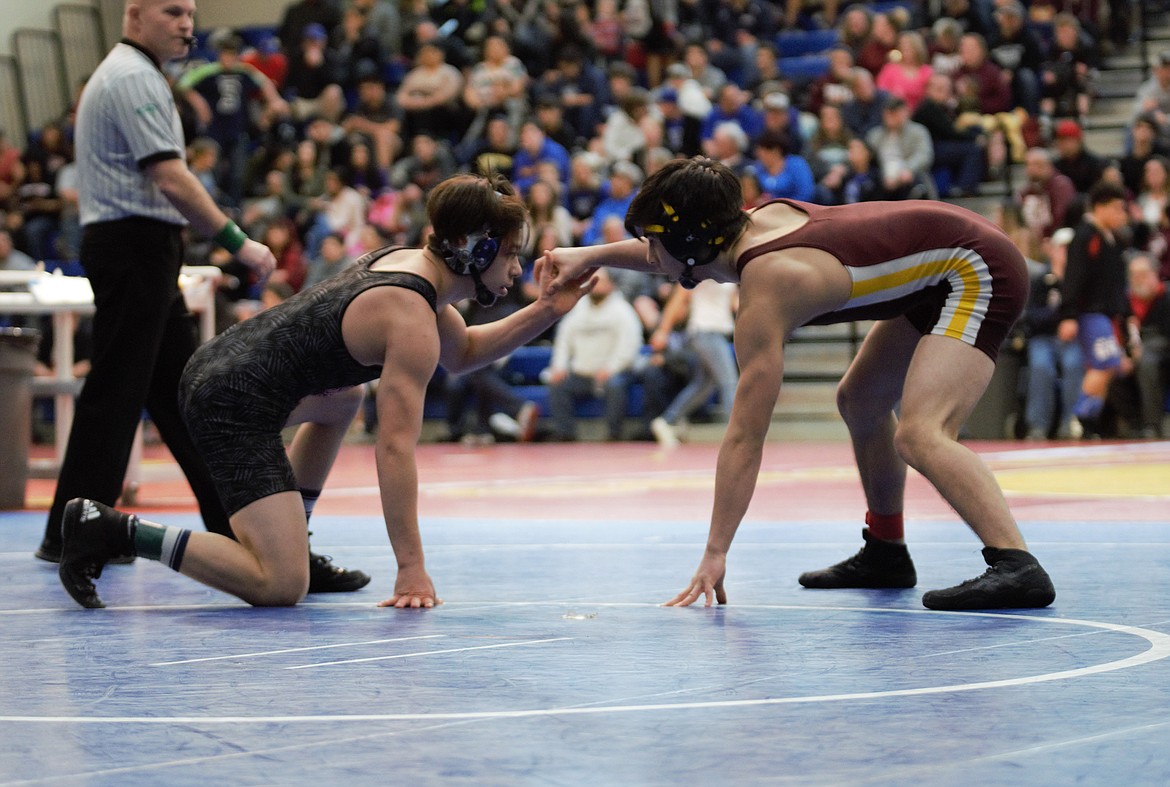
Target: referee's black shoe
(879, 564)
(325, 577)
(92, 534)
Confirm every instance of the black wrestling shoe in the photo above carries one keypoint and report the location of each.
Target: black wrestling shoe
(1014, 580)
(324, 577)
(91, 535)
(879, 564)
(50, 552)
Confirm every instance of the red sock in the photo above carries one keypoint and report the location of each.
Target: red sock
(887, 527)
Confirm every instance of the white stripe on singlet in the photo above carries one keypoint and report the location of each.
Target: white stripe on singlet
(126, 114)
(966, 270)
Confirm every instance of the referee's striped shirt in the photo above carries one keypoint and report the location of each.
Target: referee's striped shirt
(126, 120)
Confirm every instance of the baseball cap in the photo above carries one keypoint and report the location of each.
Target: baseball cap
(1011, 8)
(1067, 129)
(677, 71)
(777, 101)
(629, 170)
(315, 31)
(669, 95)
(894, 102)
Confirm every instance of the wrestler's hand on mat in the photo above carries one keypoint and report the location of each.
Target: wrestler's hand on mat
(258, 257)
(413, 589)
(707, 581)
(566, 267)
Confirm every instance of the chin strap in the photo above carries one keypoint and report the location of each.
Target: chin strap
(482, 296)
(686, 279)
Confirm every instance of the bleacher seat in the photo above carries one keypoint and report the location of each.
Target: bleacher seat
(804, 68)
(796, 43)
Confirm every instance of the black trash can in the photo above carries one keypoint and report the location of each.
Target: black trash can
(18, 357)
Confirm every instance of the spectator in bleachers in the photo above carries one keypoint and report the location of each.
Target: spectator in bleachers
(699, 68)
(545, 210)
(360, 171)
(1095, 305)
(12, 258)
(291, 266)
(960, 150)
(781, 173)
(729, 146)
(1153, 96)
(313, 75)
(709, 313)
(497, 84)
(593, 353)
(11, 169)
(1069, 71)
(828, 154)
(581, 87)
(1083, 167)
(233, 103)
(782, 117)
(625, 135)
(862, 182)
(984, 93)
(681, 134)
(426, 32)
(376, 119)
(550, 116)
(1144, 145)
(1047, 199)
(494, 152)
(341, 209)
(733, 105)
(37, 208)
(430, 96)
(863, 112)
(765, 69)
(202, 160)
(1016, 49)
(604, 29)
(1054, 366)
(621, 78)
(357, 50)
(624, 180)
(1146, 389)
(583, 193)
(267, 58)
(273, 203)
(329, 261)
(974, 16)
(535, 148)
(907, 73)
(855, 26)
(300, 14)
(882, 40)
(382, 21)
(904, 151)
(429, 163)
(835, 86)
(68, 243)
(1150, 201)
(945, 35)
(650, 26)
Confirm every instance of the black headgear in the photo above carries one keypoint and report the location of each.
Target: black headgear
(475, 256)
(689, 244)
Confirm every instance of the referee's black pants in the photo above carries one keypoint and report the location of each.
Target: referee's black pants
(142, 338)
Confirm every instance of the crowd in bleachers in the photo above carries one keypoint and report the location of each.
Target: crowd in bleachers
(325, 131)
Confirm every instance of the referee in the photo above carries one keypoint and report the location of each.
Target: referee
(136, 196)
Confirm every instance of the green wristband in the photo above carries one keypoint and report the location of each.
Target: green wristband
(231, 237)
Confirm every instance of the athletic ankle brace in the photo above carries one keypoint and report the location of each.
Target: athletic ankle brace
(887, 527)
